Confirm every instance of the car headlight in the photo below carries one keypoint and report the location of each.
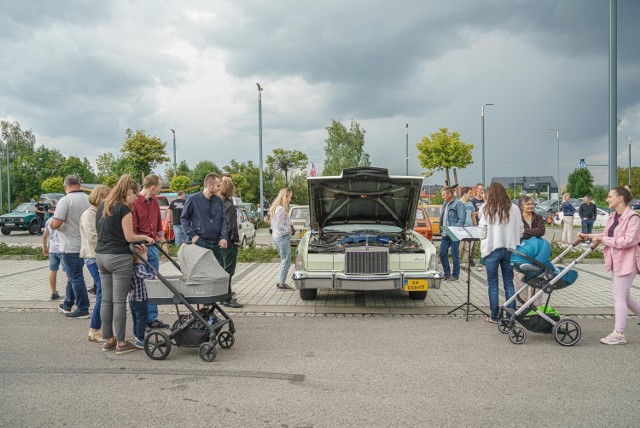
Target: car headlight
(433, 262)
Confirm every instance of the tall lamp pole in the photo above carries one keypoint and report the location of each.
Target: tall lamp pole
(260, 148)
(8, 180)
(482, 121)
(558, 141)
(407, 135)
(1, 196)
(175, 166)
(629, 138)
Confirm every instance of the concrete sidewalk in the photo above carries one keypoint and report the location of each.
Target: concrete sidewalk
(24, 285)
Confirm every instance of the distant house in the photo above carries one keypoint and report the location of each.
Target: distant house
(543, 185)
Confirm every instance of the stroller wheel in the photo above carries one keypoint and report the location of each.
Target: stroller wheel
(567, 332)
(226, 339)
(207, 352)
(504, 326)
(157, 345)
(517, 335)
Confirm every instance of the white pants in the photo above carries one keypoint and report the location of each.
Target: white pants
(567, 231)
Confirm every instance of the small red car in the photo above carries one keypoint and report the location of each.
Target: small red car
(422, 224)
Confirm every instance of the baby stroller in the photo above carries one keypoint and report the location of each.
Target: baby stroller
(531, 258)
(203, 282)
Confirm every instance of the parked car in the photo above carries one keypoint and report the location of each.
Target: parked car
(55, 197)
(422, 224)
(251, 210)
(23, 217)
(299, 215)
(163, 201)
(601, 219)
(551, 205)
(361, 236)
(548, 218)
(635, 204)
(246, 229)
(433, 211)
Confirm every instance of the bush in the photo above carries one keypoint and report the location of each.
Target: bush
(7, 250)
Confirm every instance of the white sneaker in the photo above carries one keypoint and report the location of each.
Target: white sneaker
(614, 338)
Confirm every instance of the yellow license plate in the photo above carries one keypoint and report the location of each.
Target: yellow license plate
(302, 232)
(415, 285)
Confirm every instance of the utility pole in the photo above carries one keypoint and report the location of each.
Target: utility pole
(260, 149)
(175, 166)
(407, 134)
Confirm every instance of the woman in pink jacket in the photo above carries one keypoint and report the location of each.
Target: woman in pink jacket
(620, 238)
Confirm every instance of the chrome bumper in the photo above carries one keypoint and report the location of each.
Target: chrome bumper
(341, 281)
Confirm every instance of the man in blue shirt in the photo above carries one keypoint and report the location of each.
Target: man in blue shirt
(453, 213)
(203, 218)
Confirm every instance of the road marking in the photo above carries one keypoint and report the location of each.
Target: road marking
(24, 271)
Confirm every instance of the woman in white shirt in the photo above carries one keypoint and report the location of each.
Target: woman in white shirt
(500, 231)
(281, 231)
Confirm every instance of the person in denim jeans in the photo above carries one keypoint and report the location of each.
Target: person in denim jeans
(88, 242)
(500, 228)
(175, 212)
(50, 249)
(588, 214)
(281, 231)
(453, 213)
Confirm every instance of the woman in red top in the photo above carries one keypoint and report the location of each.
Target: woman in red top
(620, 238)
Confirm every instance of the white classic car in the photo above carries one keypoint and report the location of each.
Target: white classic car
(361, 236)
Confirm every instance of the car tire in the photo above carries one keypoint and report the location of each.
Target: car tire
(5, 231)
(308, 293)
(418, 295)
(33, 228)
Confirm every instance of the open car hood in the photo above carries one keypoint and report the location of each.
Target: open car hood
(364, 195)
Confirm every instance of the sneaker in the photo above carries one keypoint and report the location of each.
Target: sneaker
(454, 278)
(446, 278)
(95, 336)
(233, 303)
(55, 296)
(480, 267)
(77, 315)
(109, 345)
(126, 348)
(92, 290)
(157, 324)
(614, 338)
(139, 344)
(64, 309)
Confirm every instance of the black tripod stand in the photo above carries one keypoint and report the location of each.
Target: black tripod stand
(468, 303)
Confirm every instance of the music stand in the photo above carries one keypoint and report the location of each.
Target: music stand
(466, 234)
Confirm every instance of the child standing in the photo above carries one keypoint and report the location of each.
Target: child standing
(50, 248)
(137, 296)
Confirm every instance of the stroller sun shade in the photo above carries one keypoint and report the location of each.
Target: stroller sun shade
(199, 266)
(540, 250)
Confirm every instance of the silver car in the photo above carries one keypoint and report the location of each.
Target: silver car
(361, 236)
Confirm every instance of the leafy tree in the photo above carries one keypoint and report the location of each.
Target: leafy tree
(580, 182)
(299, 189)
(105, 164)
(143, 153)
(599, 194)
(246, 178)
(81, 168)
(200, 171)
(287, 161)
(23, 174)
(623, 178)
(183, 168)
(344, 149)
(53, 185)
(179, 182)
(110, 180)
(444, 150)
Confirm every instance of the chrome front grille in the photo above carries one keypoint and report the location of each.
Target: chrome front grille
(366, 260)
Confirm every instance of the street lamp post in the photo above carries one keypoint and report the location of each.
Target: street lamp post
(1, 196)
(260, 148)
(175, 166)
(629, 138)
(558, 141)
(407, 135)
(482, 121)
(8, 180)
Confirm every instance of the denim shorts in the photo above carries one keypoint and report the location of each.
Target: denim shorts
(55, 259)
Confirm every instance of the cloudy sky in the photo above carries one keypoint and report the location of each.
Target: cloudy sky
(79, 73)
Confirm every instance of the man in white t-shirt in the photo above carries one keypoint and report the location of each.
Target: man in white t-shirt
(66, 220)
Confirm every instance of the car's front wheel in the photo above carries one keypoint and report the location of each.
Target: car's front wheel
(418, 295)
(33, 228)
(5, 231)
(308, 293)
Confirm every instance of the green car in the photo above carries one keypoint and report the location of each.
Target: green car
(21, 218)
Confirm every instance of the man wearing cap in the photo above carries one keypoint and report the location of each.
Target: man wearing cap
(66, 220)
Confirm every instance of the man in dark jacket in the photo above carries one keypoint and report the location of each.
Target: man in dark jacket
(588, 213)
(453, 213)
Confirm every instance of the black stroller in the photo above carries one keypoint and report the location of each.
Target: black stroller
(203, 282)
(531, 258)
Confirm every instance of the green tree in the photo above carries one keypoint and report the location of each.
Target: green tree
(105, 165)
(444, 150)
(19, 145)
(344, 148)
(599, 194)
(287, 161)
(623, 178)
(200, 171)
(246, 178)
(299, 189)
(110, 180)
(580, 182)
(79, 167)
(143, 153)
(53, 185)
(179, 182)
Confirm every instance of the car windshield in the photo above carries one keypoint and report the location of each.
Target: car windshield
(419, 215)
(25, 208)
(299, 213)
(162, 201)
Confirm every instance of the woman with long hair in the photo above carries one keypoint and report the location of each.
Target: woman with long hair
(281, 231)
(88, 242)
(114, 224)
(621, 238)
(500, 229)
(230, 254)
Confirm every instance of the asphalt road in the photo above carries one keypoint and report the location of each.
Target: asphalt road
(287, 371)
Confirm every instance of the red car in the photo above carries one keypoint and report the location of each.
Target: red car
(422, 224)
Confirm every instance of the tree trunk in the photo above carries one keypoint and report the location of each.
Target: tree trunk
(446, 180)
(455, 179)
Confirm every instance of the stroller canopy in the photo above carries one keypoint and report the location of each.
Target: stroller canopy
(199, 266)
(540, 250)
